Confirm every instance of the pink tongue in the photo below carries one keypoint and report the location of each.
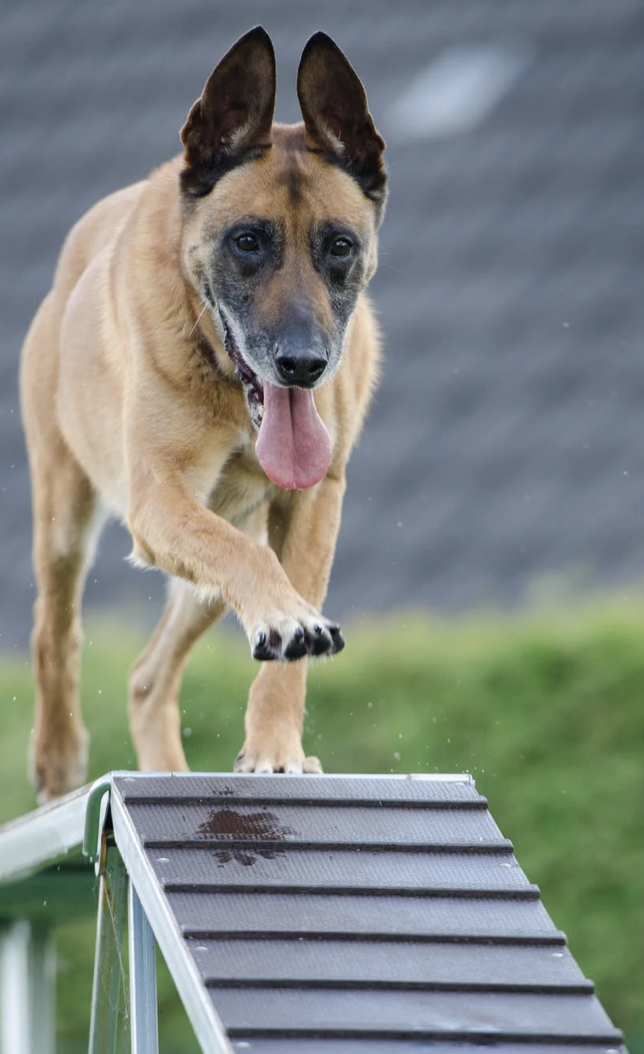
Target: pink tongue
(293, 446)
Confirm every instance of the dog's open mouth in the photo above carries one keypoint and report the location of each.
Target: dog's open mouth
(250, 382)
(293, 446)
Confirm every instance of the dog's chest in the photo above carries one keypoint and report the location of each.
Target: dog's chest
(241, 490)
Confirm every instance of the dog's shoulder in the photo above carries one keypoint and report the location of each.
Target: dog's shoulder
(94, 232)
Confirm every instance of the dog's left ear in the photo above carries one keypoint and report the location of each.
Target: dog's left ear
(232, 119)
(336, 114)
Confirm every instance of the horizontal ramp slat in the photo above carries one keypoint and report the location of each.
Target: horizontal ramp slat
(357, 916)
(343, 961)
(282, 867)
(423, 918)
(204, 824)
(440, 1014)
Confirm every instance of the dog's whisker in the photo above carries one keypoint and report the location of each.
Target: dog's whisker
(199, 318)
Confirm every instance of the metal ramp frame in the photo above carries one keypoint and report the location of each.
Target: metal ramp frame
(317, 915)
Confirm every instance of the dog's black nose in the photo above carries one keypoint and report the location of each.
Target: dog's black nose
(303, 368)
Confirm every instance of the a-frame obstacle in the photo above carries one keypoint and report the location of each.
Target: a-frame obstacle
(317, 915)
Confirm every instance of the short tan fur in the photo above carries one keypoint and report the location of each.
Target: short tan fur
(181, 306)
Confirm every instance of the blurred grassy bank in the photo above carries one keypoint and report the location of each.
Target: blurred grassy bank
(544, 709)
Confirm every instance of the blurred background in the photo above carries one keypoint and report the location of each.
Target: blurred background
(498, 488)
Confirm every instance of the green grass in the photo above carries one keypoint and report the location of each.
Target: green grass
(545, 710)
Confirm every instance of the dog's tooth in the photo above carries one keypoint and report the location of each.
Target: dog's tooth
(260, 412)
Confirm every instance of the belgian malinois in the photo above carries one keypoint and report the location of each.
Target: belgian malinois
(201, 369)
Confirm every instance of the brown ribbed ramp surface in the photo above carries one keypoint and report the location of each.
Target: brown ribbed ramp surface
(346, 915)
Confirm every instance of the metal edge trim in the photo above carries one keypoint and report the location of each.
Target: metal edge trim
(529, 892)
(474, 1037)
(205, 1021)
(95, 814)
(500, 848)
(512, 940)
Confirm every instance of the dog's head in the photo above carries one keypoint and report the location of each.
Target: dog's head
(281, 221)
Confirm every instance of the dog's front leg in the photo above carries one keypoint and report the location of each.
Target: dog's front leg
(173, 531)
(305, 537)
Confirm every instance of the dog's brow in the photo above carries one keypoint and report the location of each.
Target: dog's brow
(258, 224)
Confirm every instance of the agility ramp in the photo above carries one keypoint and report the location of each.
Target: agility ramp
(317, 915)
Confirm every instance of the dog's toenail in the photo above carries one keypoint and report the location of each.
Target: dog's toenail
(317, 629)
(338, 639)
(298, 634)
(260, 639)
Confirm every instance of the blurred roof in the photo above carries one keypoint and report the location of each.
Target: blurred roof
(502, 447)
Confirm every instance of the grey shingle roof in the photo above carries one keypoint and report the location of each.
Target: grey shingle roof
(504, 441)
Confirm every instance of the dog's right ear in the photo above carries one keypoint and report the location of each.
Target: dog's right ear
(232, 119)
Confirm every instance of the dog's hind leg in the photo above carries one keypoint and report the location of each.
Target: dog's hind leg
(64, 511)
(155, 680)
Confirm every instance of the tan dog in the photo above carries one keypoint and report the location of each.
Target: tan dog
(168, 379)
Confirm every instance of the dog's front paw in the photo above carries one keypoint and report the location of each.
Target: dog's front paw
(266, 760)
(289, 639)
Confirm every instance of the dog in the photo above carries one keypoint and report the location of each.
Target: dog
(201, 369)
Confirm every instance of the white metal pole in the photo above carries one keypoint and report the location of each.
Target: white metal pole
(42, 973)
(27, 991)
(143, 979)
(108, 967)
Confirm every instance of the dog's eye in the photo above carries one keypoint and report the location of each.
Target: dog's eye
(247, 243)
(341, 247)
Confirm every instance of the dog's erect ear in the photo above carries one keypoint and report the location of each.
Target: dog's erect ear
(336, 114)
(232, 119)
